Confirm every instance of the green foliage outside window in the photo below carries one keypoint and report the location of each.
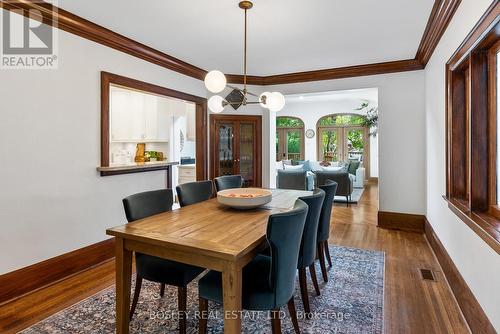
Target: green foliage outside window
(355, 138)
(336, 120)
(293, 141)
(288, 122)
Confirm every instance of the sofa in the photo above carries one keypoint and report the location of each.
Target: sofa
(355, 170)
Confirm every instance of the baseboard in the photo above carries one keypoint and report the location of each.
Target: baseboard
(22, 281)
(401, 221)
(472, 311)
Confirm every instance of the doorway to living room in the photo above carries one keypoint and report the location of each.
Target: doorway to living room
(334, 133)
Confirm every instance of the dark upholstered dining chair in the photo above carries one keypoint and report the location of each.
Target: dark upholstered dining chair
(228, 182)
(194, 192)
(153, 268)
(330, 188)
(308, 246)
(268, 281)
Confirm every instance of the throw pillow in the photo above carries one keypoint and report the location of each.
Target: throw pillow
(297, 167)
(332, 169)
(307, 166)
(305, 163)
(286, 162)
(353, 166)
(315, 166)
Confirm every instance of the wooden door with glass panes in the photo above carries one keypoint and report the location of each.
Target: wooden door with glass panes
(343, 143)
(235, 143)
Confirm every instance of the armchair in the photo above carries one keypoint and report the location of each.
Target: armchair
(344, 181)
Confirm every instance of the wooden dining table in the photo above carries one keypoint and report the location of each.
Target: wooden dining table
(206, 234)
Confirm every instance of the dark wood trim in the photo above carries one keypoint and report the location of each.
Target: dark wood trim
(441, 15)
(257, 120)
(439, 19)
(332, 73)
(479, 147)
(485, 226)
(470, 117)
(22, 281)
(458, 128)
(401, 221)
(79, 26)
(202, 141)
(489, 19)
(167, 169)
(470, 307)
(201, 119)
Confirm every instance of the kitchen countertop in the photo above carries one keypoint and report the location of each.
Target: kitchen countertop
(136, 167)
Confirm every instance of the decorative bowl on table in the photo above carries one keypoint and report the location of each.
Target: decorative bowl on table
(244, 198)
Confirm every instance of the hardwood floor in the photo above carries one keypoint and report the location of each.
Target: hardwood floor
(412, 305)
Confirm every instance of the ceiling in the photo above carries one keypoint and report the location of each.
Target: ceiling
(283, 35)
(369, 95)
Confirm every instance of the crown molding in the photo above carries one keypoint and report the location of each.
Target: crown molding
(64, 20)
(332, 73)
(439, 19)
(441, 15)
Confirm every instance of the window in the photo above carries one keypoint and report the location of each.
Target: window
(473, 136)
(289, 138)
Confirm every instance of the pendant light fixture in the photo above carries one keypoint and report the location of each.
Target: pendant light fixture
(215, 82)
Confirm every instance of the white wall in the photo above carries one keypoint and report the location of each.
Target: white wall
(52, 200)
(401, 134)
(476, 261)
(311, 111)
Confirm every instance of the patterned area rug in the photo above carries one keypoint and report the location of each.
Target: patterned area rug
(351, 302)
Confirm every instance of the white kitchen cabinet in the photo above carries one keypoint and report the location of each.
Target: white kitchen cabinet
(157, 119)
(126, 116)
(138, 117)
(190, 121)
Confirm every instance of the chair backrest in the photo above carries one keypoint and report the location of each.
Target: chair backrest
(308, 247)
(291, 179)
(194, 192)
(148, 203)
(344, 182)
(228, 182)
(330, 188)
(284, 234)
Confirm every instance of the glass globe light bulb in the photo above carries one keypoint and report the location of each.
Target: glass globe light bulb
(215, 104)
(215, 81)
(278, 101)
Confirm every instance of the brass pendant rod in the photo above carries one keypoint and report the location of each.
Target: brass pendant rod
(245, 58)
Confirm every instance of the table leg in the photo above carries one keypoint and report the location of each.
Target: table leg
(123, 278)
(231, 285)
